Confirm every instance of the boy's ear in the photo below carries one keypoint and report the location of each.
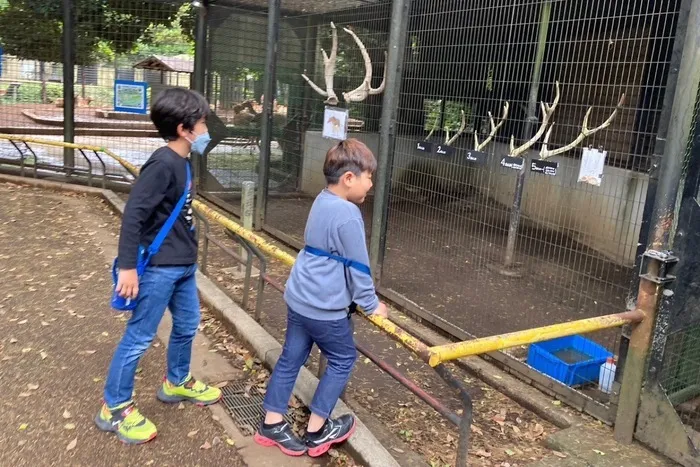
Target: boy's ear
(181, 132)
(347, 177)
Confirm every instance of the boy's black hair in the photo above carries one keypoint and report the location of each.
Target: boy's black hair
(175, 106)
(351, 155)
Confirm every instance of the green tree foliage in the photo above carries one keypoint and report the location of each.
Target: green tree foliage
(32, 29)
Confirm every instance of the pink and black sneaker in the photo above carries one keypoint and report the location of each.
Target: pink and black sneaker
(334, 431)
(282, 436)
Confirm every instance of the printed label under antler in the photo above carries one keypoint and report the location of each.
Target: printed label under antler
(515, 163)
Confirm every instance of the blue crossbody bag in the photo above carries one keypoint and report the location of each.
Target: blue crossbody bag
(145, 254)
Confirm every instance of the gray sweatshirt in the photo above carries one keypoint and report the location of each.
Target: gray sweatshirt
(322, 288)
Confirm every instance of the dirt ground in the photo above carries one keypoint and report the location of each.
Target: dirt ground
(57, 335)
(503, 432)
(437, 257)
(11, 114)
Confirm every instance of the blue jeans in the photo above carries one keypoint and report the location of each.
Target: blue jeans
(159, 287)
(334, 339)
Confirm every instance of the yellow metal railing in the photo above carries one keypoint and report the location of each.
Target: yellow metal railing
(433, 355)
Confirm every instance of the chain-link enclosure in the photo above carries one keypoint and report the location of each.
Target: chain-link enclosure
(137, 47)
(451, 214)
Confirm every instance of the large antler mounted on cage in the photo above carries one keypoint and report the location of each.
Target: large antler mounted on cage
(547, 112)
(494, 128)
(358, 94)
(585, 132)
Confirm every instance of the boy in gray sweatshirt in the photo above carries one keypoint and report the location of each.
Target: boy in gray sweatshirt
(329, 275)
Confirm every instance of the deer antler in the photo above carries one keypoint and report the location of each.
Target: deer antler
(585, 132)
(494, 129)
(448, 140)
(547, 112)
(365, 89)
(329, 71)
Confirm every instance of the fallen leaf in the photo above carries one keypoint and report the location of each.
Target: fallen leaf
(206, 445)
(230, 442)
(97, 380)
(23, 427)
(69, 426)
(105, 334)
(510, 452)
(477, 430)
(601, 453)
(400, 451)
(24, 321)
(87, 352)
(67, 414)
(72, 444)
(44, 323)
(13, 340)
(25, 394)
(249, 363)
(192, 434)
(367, 360)
(560, 454)
(28, 349)
(482, 453)
(32, 386)
(181, 406)
(557, 403)
(44, 355)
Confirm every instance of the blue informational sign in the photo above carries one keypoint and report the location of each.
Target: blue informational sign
(131, 96)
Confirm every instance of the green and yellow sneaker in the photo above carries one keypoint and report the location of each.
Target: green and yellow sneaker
(191, 390)
(127, 423)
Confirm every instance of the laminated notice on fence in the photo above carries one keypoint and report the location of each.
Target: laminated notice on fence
(335, 123)
(592, 165)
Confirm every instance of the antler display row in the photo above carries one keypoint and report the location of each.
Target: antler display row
(358, 94)
(547, 112)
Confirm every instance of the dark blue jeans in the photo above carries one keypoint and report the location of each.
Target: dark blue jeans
(334, 339)
(159, 287)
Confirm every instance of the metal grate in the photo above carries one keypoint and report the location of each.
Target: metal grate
(245, 404)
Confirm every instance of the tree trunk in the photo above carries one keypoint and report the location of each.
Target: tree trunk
(42, 77)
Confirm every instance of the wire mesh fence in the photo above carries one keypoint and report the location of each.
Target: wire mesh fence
(451, 208)
(235, 77)
(298, 147)
(126, 52)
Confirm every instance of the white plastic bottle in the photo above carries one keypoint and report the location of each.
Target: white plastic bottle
(607, 375)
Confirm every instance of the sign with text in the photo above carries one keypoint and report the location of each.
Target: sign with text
(131, 96)
(476, 157)
(444, 150)
(515, 163)
(335, 123)
(544, 167)
(424, 146)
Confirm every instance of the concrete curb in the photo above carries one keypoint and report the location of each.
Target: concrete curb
(363, 444)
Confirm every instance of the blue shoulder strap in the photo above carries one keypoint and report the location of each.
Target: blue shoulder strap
(165, 230)
(347, 262)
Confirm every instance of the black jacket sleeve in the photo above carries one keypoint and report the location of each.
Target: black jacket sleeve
(146, 194)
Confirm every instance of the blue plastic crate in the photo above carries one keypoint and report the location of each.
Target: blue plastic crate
(543, 357)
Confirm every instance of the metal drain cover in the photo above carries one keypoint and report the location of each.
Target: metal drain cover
(245, 404)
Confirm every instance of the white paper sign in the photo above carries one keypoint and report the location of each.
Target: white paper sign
(335, 123)
(592, 165)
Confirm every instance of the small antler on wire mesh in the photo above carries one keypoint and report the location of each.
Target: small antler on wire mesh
(329, 71)
(437, 121)
(585, 132)
(547, 112)
(365, 89)
(494, 128)
(462, 127)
